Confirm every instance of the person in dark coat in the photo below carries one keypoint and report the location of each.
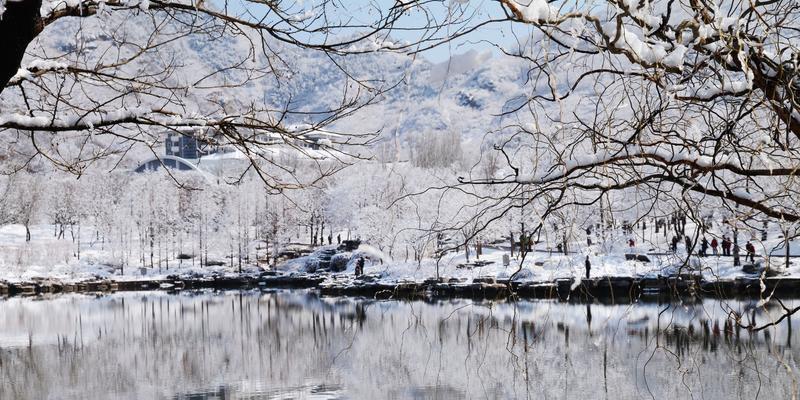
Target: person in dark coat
(751, 251)
(588, 267)
(703, 247)
(675, 241)
(726, 246)
(688, 244)
(339, 238)
(360, 266)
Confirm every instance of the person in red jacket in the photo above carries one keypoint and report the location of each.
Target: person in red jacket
(714, 245)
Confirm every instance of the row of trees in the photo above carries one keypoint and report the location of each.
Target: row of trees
(148, 220)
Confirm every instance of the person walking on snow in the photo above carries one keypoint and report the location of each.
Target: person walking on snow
(360, 266)
(703, 247)
(675, 241)
(726, 246)
(714, 245)
(631, 243)
(588, 267)
(751, 251)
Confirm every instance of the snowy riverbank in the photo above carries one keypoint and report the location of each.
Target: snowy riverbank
(47, 258)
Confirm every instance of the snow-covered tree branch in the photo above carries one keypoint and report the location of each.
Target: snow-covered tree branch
(119, 73)
(676, 101)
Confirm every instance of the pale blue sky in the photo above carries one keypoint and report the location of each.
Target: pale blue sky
(363, 12)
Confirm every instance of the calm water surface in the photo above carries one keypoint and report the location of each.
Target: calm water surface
(295, 344)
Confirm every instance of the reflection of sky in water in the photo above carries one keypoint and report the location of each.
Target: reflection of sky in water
(297, 345)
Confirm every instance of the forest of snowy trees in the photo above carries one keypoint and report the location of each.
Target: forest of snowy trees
(150, 220)
(594, 113)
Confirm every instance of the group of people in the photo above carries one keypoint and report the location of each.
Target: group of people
(675, 241)
(729, 248)
(726, 245)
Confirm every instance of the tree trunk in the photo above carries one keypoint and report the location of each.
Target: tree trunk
(786, 238)
(18, 26)
(79, 242)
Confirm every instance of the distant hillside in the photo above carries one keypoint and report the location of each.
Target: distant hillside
(464, 96)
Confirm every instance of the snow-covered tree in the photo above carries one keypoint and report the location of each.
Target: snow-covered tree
(85, 80)
(669, 103)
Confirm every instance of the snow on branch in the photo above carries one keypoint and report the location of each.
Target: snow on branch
(665, 155)
(74, 123)
(137, 115)
(36, 67)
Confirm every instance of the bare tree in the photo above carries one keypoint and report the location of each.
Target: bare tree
(689, 101)
(688, 105)
(117, 83)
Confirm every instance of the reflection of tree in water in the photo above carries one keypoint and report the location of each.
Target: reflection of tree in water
(251, 343)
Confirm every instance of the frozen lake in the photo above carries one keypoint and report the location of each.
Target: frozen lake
(294, 344)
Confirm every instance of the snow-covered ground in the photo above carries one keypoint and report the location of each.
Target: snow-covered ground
(607, 259)
(545, 266)
(46, 256)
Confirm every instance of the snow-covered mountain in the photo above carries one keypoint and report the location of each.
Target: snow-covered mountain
(464, 95)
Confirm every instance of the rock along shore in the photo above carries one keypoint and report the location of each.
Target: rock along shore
(604, 289)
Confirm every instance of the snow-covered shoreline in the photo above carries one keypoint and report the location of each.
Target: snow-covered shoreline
(618, 289)
(48, 264)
